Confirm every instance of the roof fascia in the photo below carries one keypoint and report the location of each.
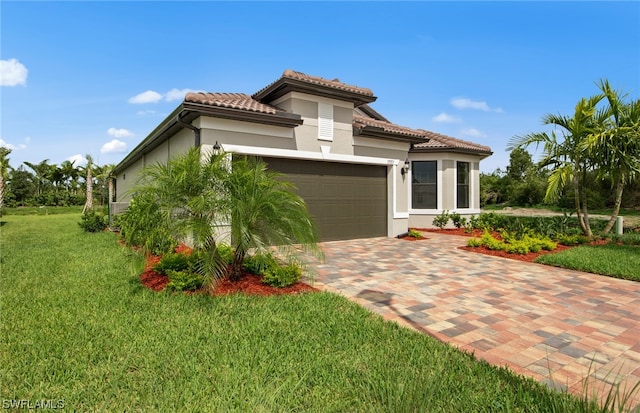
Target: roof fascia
(285, 85)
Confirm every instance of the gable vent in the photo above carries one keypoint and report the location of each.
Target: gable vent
(325, 121)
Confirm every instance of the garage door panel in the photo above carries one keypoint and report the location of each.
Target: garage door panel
(346, 200)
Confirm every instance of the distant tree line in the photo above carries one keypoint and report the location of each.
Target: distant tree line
(47, 184)
(523, 183)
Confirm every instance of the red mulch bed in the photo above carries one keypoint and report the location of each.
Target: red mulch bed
(530, 257)
(250, 284)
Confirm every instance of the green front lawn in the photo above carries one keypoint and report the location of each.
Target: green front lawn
(76, 325)
(621, 261)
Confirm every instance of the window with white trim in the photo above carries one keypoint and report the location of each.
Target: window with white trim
(462, 185)
(424, 185)
(325, 121)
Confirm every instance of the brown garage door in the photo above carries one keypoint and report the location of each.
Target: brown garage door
(347, 201)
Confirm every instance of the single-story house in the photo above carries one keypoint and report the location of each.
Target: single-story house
(359, 174)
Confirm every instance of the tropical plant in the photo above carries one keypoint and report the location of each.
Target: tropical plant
(616, 149)
(189, 196)
(265, 212)
(93, 221)
(144, 225)
(566, 157)
(4, 169)
(42, 172)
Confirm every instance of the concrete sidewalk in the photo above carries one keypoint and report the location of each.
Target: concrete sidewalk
(557, 326)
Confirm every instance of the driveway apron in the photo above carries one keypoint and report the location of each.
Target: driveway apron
(560, 327)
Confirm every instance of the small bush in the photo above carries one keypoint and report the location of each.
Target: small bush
(474, 242)
(519, 247)
(571, 239)
(143, 225)
(282, 276)
(92, 221)
(458, 220)
(259, 264)
(441, 220)
(226, 252)
(172, 262)
(414, 233)
(184, 281)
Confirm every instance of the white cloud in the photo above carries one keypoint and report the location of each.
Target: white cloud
(12, 73)
(150, 96)
(79, 160)
(473, 133)
(145, 112)
(15, 147)
(445, 118)
(177, 94)
(119, 133)
(114, 146)
(465, 103)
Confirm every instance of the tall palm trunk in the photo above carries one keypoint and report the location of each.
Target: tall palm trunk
(89, 203)
(1, 192)
(619, 188)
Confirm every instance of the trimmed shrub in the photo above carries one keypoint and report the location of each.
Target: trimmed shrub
(172, 262)
(285, 276)
(92, 221)
(259, 264)
(440, 221)
(184, 281)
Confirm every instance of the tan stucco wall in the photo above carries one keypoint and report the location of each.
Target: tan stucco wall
(232, 132)
(306, 135)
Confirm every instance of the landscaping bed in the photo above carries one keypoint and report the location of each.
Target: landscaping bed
(477, 233)
(250, 284)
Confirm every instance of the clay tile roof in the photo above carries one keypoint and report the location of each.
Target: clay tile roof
(334, 83)
(438, 141)
(360, 122)
(231, 100)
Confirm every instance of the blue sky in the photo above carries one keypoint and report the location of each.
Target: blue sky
(96, 77)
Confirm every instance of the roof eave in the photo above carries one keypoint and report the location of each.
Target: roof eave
(151, 141)
(188, 111)
(285, 85)
(380, 133)
(284, 119)
(479, 152)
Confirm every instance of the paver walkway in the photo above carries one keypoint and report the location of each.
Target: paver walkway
(557, 326)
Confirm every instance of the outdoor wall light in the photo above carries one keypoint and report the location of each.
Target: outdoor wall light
(405, 168)
(216, 148)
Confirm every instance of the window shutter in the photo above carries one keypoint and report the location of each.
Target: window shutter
(325, 121)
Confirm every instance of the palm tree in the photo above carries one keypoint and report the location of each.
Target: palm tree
(189, 193)
(568, 160)
(616, 148)
(4, 169)
(42, 171)
(69, 175)
(204, 197)
(265, 212)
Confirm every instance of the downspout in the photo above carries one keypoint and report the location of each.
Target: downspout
(195, 130)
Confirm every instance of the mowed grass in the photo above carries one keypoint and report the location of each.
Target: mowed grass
(76, 325)
(621, 261)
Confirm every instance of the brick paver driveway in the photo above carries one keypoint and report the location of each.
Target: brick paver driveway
(557, 326)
